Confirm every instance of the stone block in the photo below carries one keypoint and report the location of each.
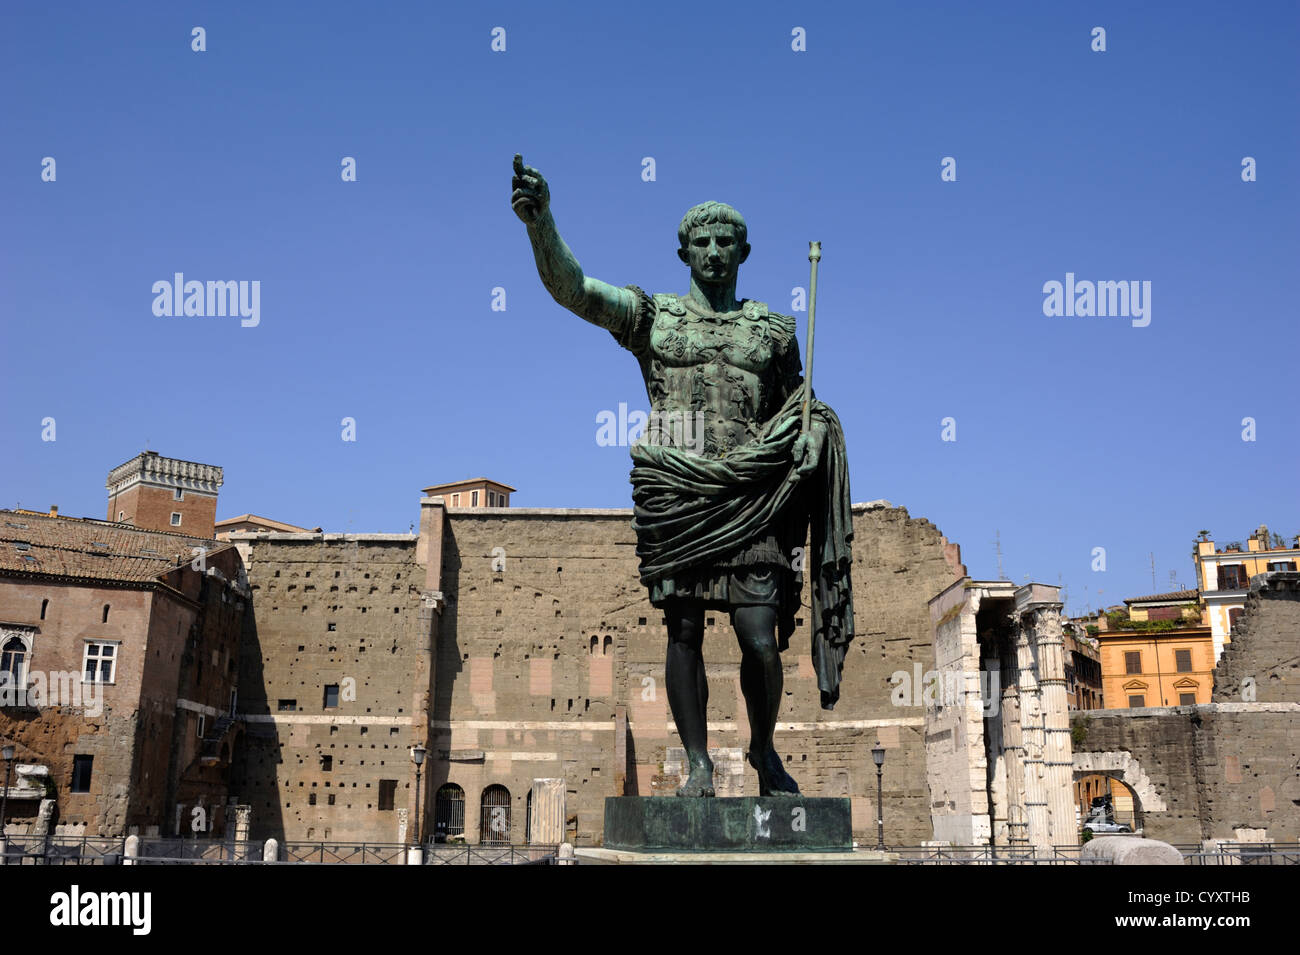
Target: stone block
(721, 824)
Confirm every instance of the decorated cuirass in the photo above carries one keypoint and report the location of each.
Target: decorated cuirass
(714, 379)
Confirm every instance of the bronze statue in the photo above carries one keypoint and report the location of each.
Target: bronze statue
(722, 512)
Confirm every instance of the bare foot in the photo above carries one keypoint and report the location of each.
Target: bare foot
(699, 782)
(773, 780)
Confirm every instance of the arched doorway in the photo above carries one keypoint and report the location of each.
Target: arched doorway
(494, 821)
(448, 813)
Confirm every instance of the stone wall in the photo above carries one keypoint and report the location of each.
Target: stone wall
(330, 610)
(547, 632)
(545, 635)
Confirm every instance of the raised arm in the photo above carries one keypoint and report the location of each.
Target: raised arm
(598, 302)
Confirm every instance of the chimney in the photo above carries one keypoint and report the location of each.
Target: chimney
(54, 510)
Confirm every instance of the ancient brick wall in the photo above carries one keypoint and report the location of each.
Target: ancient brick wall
(330, 611)
(547, 631)
(1262, 662)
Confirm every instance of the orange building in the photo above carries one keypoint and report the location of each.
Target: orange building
(1157, 654)
(475, 492)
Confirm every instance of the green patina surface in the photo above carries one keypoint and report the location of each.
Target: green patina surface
(728, 824)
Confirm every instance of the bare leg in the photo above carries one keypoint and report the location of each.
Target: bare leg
(762, 680)
(688, 692)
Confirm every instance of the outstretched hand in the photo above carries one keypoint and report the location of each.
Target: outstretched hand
(531, 195)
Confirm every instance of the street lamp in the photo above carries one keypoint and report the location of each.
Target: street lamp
(878, 755)
(417, 754)
(8, 753)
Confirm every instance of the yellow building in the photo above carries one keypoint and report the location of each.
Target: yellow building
(1224, 578)
(1157, 654)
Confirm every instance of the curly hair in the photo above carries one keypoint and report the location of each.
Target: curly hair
(710, 213)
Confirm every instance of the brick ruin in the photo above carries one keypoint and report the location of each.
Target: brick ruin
(518, 646)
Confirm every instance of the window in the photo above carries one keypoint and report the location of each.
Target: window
(1137, 701)
(1186, 699)
(494, 821)
(331, 627)
(387, 794)
(1234, 614)
(455, 500)
(13, 664)
(492, 498)
(327, 764)
(329, 798)
(81, 773)
(311, 799)
(121, 515)
(45, 605)
(287, 706)
(105, 620)
(473, 498)
(331, 696)
(1281, 565)
(1184, 660)
(203, 724)
(1133, 662)
(100, 661)
(176, 519)
(1232, 577)
(178, 495)
(449, 812)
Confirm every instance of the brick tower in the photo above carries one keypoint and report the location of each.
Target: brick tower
(165, 494)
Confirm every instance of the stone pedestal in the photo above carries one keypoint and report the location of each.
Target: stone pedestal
(728, 824)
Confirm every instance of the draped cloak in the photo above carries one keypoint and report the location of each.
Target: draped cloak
(690, 511)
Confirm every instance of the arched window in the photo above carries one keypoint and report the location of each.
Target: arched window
(105, 613)
(13, 664)
(609, 645)
(494, 822)
(595, 642)
(448, 812)
(45, 605)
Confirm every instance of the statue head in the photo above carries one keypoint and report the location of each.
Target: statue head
(712, 237)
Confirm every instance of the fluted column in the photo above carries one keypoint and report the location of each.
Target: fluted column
(1031, 731)
(1058, 758)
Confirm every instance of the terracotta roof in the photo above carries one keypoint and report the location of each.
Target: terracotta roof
(81, 547)
(477, 480)
(1172, 596)
(254, 519)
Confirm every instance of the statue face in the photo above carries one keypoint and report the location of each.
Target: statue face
(714, 253)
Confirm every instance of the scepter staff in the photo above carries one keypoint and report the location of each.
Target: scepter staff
(814, 256)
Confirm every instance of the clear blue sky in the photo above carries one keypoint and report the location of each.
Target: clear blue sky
(1072, 433)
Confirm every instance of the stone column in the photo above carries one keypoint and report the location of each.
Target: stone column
(1031, 734)
(546, 825)
(995, 754)
(1017, 832)
(1058, 759)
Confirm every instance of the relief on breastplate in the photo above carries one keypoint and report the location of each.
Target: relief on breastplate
(709, 408)
(707, 377)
